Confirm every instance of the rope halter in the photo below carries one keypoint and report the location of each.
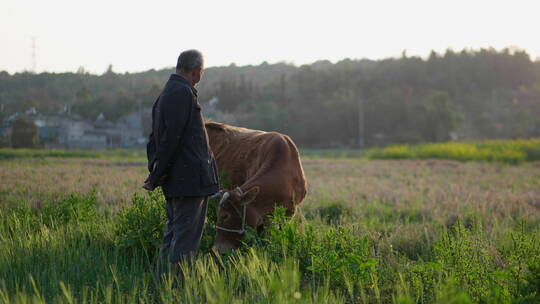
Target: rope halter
(223, 200)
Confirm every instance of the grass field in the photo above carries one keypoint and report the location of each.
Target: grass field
(78, 229)
(504, 151)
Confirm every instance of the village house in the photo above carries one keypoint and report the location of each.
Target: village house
(67, 131)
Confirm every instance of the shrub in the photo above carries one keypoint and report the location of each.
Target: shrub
(463, 255)
(531, 287)
(25, 133)
(140, 225)
(337, 254)
(522, 269)
(72, 208)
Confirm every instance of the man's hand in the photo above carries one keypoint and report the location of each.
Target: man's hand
(148, 185)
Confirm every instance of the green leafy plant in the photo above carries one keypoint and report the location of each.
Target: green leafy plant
(463, 255)
(72, 208)
(337, 254)
(140, 225)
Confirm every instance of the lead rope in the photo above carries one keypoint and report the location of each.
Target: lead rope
(239, 231)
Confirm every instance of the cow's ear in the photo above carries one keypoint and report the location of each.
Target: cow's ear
(250, 195)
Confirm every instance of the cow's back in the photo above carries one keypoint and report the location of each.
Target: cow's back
(268, 160)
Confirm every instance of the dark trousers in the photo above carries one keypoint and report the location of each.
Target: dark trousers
(182, 235)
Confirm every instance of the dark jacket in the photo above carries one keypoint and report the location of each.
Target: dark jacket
(179, 156)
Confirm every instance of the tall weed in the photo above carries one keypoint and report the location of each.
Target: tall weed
(140, 225)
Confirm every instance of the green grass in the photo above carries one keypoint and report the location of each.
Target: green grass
(332, 153)
(8, 153)
(139, 154)
(71, 252)
(505, 151)
(368, 232)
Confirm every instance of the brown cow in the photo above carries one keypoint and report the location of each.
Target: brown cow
(265, 171)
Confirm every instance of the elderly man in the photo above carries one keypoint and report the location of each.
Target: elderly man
(180, 161)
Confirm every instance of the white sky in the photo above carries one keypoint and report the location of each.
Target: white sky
(139, 35)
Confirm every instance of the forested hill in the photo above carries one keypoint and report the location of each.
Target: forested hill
(465, 95)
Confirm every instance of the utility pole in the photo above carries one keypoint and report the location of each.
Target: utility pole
(361, 129)
(34, 53)
(2, 103)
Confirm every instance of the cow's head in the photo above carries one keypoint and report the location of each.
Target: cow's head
(233, 215)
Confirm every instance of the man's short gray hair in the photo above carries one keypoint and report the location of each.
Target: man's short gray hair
(189, 60)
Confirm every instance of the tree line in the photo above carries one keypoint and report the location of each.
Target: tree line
(468, 94)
